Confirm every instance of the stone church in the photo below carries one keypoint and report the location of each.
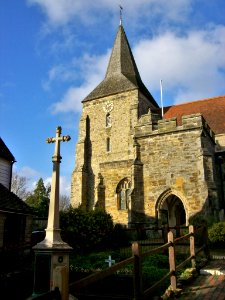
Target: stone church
(141, 166)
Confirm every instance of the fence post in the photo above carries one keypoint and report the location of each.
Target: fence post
(137, 275)
(192, 246)
(173, 280)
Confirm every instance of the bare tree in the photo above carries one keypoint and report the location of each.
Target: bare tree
(19, 186)
(64, 202)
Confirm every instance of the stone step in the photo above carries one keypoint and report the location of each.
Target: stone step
(218, 257)
(215, 267)
(206, 271)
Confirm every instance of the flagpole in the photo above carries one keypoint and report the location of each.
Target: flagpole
(161, 92)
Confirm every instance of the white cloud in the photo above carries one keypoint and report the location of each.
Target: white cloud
(64, 185)
(33, 176)
(191, 66)
(28, 172)
(60, 73)
(61, 12)
(93, 69)
(58, 11)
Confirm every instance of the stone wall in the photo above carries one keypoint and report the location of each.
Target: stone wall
(174, 159)
(113, 173)
(156, 156)
(124, 117)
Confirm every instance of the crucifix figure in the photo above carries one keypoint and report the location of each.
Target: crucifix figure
(53, 237)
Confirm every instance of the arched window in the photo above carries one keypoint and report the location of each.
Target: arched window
(108, 121)
(123, 192)
(108, 144)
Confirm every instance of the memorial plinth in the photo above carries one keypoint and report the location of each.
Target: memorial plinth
(52, 254)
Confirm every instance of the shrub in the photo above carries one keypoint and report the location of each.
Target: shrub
(93, 261)
(217, 234)
(85, 231)
(154, 268)
(157, 260)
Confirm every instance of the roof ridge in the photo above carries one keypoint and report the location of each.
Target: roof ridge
(200, 100)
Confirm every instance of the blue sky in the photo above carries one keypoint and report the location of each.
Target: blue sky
(54, 52)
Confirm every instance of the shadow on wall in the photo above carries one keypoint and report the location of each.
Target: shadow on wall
(89, 178)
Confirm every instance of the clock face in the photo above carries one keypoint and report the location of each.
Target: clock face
(108, 106)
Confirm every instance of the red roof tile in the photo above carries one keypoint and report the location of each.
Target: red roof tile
(212, 109)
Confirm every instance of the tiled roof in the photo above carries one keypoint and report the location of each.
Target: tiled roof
(5, 153)
(10, 202)
(122, 73)
(212, 109)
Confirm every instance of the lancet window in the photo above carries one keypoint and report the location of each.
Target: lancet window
(108, 120)
(123, 192)
(108, 144)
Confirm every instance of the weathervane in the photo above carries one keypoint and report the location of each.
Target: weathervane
(121, 8)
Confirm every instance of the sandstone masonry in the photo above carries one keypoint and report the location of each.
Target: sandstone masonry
(138, 166)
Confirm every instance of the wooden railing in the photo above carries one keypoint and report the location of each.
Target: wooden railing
(136, 260)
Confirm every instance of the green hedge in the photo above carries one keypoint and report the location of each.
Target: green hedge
(217, 234)
(85, 231)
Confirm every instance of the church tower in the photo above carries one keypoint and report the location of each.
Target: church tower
(106, 152)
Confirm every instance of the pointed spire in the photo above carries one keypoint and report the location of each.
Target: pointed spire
(122, 60)
(122, 73)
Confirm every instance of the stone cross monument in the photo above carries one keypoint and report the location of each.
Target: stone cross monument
(53, 237)
(52, 254)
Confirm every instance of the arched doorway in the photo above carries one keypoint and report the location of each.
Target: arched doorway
(171, 210)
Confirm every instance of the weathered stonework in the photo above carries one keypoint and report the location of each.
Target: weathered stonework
(138, 166)
(124, 117)
(174, 160)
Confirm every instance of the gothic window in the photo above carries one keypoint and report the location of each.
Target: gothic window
(123, 191)
(108, 144)
(108, 120)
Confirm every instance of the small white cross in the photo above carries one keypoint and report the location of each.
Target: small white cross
(110, 261)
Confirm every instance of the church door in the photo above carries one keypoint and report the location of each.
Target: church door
(171, 212)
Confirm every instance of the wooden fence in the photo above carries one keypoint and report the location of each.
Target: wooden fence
(138, 256)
